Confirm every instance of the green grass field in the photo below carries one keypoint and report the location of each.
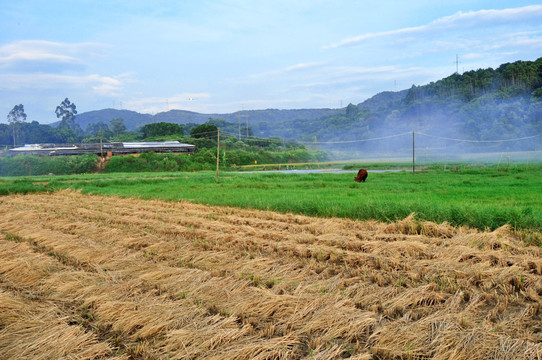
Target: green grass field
(476, 197)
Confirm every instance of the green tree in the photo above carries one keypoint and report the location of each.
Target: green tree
(5, 135)
(117, 126)
(161, 129)
(66, 111)
(204, 131)
(351, 111)
(15, 118)
(99, 129)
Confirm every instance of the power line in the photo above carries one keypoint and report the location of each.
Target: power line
(419, 133)
(354, 141)
(479, 141)
(276, 139)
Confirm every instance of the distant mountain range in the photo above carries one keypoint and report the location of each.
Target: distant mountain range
(133, 120)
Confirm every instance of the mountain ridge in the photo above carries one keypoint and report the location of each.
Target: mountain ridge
(133, 120)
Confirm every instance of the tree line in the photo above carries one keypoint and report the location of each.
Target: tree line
(18, 132)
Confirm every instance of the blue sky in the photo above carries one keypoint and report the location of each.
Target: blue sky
(226, 55)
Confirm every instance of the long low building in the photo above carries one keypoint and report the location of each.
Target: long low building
(104, 149)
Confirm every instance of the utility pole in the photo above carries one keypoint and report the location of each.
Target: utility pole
(246, 118)
(239, 125)
(217, 152)
(239, 119)
(413, 161)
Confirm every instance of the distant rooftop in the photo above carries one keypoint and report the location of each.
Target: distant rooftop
(114, 148)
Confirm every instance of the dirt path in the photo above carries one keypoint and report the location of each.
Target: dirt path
(102, 277)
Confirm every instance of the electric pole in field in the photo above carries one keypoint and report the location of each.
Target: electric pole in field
(246, 119)
(239, 125)
(217, 152)
(413, 161)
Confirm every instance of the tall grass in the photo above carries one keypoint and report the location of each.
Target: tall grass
(24, 165)
(477, 197)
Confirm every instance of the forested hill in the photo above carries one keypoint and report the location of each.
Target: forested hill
(485, 104)
(134, 120)
(480, 105)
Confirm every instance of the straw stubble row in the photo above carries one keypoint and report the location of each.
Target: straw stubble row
(163, 279)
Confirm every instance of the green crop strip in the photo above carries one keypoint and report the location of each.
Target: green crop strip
(477, 197)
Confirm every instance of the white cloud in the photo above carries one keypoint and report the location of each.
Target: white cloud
(47, 56)
(302, 66)
(288, 69)
(46, 65)
(357, 70)
(102, 85)
(460, 21)
(337, 77)
(473, 56)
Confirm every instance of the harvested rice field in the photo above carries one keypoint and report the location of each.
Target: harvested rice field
(93, 277)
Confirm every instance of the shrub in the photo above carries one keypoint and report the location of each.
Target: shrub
(21, 165)
(151, 162)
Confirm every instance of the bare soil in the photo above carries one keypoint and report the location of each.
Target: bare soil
(92, 277)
